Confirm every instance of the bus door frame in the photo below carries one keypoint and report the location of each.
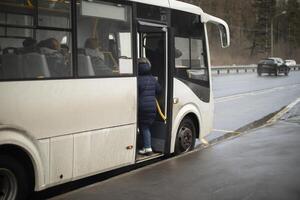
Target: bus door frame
(144, 27)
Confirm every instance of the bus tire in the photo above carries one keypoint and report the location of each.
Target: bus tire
(186, 136)
(14, 180)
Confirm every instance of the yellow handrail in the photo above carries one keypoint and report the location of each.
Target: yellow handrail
(29, 3)
(162, 115)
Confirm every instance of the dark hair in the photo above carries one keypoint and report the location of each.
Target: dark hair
(144, 61)
(29, 42)
(144, 66)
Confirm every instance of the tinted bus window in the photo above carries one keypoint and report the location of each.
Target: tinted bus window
(186, 24)
(31, 52)
(190, 64)
(54, 13)
(152, 12)
(104, 39)
(183, 46)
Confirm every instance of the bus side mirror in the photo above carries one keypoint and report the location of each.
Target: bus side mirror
(222, 26)
(224, 35)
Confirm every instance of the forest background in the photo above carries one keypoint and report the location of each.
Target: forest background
(250, 29)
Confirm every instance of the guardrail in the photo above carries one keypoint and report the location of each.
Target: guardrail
(230, 69)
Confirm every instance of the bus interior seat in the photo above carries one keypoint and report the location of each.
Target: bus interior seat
(81, 51)
(85, 67)
(35, 66)
(108, 59)
(113, 48)
(100, 67)
(30, 49)
(57, 66)
(10, 50)
(12, 66)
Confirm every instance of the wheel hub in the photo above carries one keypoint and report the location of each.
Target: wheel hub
(185, 138)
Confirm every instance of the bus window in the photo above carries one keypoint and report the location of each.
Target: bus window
(198, 69)
(104, 39)
(146, 11)
(17, 19)
(182, 44)
(191, 66)
(31, 51)
(1, 32)
(54, 13)
(2, 18)
(19, 32)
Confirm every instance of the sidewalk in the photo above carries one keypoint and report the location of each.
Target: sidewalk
(262, 164)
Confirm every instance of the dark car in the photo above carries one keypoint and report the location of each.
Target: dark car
(272, 66)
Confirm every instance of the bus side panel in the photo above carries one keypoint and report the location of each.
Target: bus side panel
(50, 108)
(56, 111)
(61, 158)
(97, 156)
(188, 102)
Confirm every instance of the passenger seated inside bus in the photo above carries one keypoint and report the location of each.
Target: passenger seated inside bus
(65, 50)
(57, 62)
(34, 46)
(92, 49)
(148, 88)
(29, 46)
(49, 46)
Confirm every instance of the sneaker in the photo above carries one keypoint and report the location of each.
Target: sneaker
(146, 151)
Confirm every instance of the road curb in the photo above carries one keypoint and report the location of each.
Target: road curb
(262, 122)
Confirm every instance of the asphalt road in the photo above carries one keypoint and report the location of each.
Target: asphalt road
(244, 98)
(227, 85)
(263, 164)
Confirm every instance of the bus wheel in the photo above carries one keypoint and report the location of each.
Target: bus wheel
(186, 136)
(14, 182)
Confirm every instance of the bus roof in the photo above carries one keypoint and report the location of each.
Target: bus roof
(173, 4)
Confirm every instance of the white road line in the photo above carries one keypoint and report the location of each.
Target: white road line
(253, 93)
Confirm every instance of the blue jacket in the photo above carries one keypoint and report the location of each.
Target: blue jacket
(148, 88)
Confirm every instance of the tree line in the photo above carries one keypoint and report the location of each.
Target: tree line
(250, 24)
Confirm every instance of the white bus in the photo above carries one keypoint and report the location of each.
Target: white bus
(68, 86)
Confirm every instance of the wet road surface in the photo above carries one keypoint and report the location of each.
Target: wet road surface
(262, 164)
(245, 98)
(227, 85)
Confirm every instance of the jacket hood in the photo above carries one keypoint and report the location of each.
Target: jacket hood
(144, 69)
